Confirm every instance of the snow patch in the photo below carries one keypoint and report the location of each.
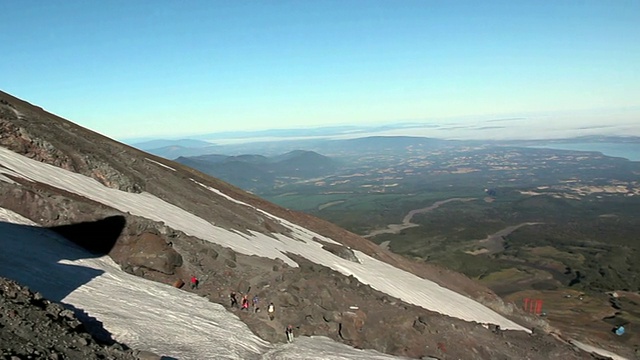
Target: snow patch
(12, 173)
(6, 179)
(13, 217)
(595, 350)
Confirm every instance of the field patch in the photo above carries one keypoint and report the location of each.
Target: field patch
(552, 252)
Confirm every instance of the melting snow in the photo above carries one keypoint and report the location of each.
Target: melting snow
(593, 349)
(6, 179)
(142, 313)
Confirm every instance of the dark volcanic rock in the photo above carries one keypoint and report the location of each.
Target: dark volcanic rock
(153, 252)
(341, 251)
(22, 141)
(351, 325)
(32, 327)
(420, 324)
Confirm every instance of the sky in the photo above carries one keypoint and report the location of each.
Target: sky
(157, 68)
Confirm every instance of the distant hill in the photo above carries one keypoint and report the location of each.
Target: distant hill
(251, 172)
(171, 149)
(251, 159)
(301, 163)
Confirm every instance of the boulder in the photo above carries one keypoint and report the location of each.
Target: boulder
(331, 316)
(350, 327)
(420, 324)
(341, 251)
(324, 299)
(267, 332)
(152, 252)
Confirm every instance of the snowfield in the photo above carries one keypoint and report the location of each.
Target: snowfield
(143, 314)
(379, 275)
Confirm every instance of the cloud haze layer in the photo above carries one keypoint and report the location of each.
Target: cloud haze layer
(146, 68)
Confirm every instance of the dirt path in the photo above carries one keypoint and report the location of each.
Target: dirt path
(406, 221)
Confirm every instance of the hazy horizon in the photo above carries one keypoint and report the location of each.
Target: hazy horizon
(154, 69)
(530, 127)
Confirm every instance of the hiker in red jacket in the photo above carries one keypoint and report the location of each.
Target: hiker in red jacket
(194, 282)
(245, 303)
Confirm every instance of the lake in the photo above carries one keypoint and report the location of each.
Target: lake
(630, 151)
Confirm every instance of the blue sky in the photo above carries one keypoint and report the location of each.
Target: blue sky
(158, 68)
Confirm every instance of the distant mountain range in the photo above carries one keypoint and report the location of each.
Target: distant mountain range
(251, 171)
(173, 149)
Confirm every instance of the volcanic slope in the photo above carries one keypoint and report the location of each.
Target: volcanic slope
(55, 173)
(153, 316)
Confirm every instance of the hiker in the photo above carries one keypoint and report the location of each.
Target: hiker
(255, 304)
(234, 300)
(289, 332)
(272, 311)
(245, 303)
(194, 282)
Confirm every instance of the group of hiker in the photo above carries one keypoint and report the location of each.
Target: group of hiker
(255, 304)
(244, 304)
(271, 309)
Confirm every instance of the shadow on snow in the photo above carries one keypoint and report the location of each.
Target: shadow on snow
(32, 256)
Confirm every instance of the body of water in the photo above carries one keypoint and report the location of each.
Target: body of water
(628, 151)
